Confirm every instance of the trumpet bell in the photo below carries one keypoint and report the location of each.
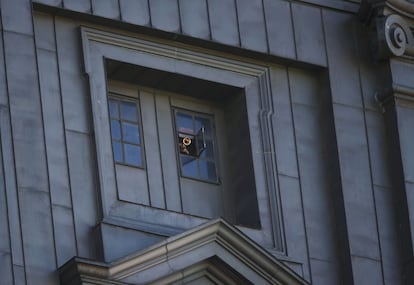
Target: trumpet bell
(187, 141)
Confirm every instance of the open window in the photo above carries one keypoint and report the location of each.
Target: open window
(197, 145)
(157, 200)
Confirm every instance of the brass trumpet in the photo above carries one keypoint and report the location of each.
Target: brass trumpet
(186, 141)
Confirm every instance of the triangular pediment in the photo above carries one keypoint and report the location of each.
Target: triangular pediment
(213, 253)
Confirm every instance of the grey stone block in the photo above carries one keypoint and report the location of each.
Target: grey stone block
(251, 22)
(402, 72)
(82, 175)
(282, 123)
(378, 152)
(75, 96)
(304, 87)
(223, 22)
(194, 18)
(325, 272)
(294, 227)
(342, 58)
(279, 28)
(406, 137)
(106, 8)
(44, 31)
(361, 267)
(357, 189)
(78, 5)
(132, 240)
(6, 273)
(64, 234)
(165, 15)
(389, 235)
(13, 23)
(10, 188)
(132, 184)
(135, 12)
(54, 128)
(38, 238)
(314, 178)
(25, 111)
(309, 37)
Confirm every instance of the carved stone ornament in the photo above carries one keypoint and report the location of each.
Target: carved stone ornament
(392, 26)
(398, 36)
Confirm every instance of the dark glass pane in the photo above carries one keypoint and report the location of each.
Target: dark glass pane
(130, 133)
(115, 130)
(113, 108)
(201, 141)
(184, 123)
(117, 148)
(208, 151)
(133, 155)
(189, 166)
(208, 170)
(129, 111)
(203, 122)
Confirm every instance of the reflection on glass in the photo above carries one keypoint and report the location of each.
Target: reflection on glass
(208, 151)
(201, 122)
(125, 131)
(208, 170)
(129, 111)
(184, 122)
(130, 133)
(117, 148)
(189, 166)
(113, 109)
(197, 157)
(115, 130)
(211, 169)
(133, 155)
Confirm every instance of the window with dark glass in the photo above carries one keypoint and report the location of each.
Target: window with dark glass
(196, 147)
(126, 132)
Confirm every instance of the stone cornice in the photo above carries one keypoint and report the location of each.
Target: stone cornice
(214, 239)
(396, 95)
(402, 7)
(392, 26)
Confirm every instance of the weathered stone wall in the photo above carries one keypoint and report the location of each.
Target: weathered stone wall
(333, 172)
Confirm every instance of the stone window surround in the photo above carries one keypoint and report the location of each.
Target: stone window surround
(173, 57)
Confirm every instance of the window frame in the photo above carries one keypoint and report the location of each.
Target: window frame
(253, 76)
(136, 101)
(212, 118)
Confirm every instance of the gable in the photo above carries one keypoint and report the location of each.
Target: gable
(213, 253)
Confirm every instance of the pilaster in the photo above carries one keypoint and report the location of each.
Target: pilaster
(392, 24)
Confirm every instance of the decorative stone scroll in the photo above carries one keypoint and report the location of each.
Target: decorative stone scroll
(392, 24)
(396, 35)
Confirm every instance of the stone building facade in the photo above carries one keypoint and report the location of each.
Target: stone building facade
(206, 142)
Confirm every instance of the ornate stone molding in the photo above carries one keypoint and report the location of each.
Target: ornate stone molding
(395, 95)
(392, 27)
(215, 249)
(394, 37)
(173, 57)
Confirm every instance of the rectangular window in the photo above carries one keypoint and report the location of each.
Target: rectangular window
(126, 131)
(196, 145)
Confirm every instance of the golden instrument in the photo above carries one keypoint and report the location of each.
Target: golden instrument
(186, 141)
